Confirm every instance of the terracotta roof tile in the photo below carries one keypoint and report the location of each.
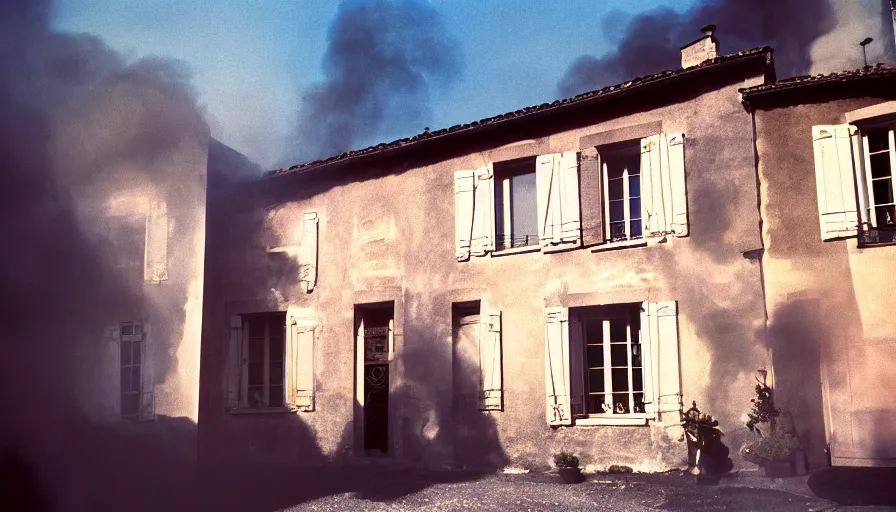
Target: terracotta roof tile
(865, 73)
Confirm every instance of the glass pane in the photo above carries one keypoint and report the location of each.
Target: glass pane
(618, 330)
(883, 191)
(130, 404)
(617, 230)
(276, 396)
(256, 396)
(523, 210)
(256, 373)
(594, 332)
(125, 379)
(135, 378)
(595, 355)
(620, 379)
(880, 165)
(256, 349)
(633, 163)
(636, 355)
(616, 189)
(276, 374)
(617, 210)
(634, 185)
(635, 229)
(596, 404)
(276, 349)
(277, 326)
(635, 321)
(125, 353)
(878, 140)
(256, 325)
(619, 355)
(136, 349)
(639, 403)
(615, 166)
(138, 328)
(634, 208)
(886, 216)
(620, 403)
(127, 330)
(637, 379)
(596, 381)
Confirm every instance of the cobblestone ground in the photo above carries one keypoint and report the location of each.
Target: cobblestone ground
(532, 492)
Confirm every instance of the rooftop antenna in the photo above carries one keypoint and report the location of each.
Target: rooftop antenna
(865, 42)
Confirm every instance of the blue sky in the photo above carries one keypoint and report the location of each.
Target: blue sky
(251, 63)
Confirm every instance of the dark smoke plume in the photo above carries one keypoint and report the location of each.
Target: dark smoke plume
(652, 40)
(72, 111)
(383, 60)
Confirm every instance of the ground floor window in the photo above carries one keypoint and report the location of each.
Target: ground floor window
(613, 371)
(264, 369)
(132, 352)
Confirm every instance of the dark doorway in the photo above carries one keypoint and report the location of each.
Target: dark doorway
(375, 345)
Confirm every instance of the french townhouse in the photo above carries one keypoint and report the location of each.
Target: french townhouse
(566, 276)
(825, 161)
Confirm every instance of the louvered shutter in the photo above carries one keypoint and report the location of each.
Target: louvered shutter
(557, 366)
(677, 211)
(464, 184)
(491, 393)
(156, 247)
(234, 372)
(576, 366)
(835, 181)
(308, 251)
(548, 198)
(659, 330)
(299, 357)
(483, 239)
(592, 206)
(571, 220)
(147, 382)
(653, 215)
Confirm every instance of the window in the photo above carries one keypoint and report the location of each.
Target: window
(854, 182)
(622, 182)
(132, 350)
(516, 215)
(614, 369)
(264, 359)
(613, 364)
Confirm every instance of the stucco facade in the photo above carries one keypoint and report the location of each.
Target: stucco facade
(386, 238)
(832, 333)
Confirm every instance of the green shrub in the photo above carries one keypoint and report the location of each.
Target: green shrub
(775, 446)
(566, 460)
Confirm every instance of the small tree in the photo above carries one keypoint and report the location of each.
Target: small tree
(764, 410)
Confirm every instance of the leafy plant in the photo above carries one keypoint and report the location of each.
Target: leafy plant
(775, 446)
(695, 422)
(566, 460)
(764, 410)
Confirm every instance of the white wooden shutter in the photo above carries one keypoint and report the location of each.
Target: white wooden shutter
(147, 382)
(464, 184)
(299, 357)
(659, 331)
(156, 248)
(576, 366)
(548, 199)
(571, 226)
(491, 392)
(557, 366)
(308, 251)
(677, 210)
(862, 168)
(234, 372)
(110, 383)
(359, 369)
(483, 239)
(835, 180)
(652, 204)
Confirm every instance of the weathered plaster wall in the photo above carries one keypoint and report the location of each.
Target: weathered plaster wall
(828, 302)
(389, 235)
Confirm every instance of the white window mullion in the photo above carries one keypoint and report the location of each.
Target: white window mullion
(608, 368)
(508, 227)
(625, 204)
(628, 347)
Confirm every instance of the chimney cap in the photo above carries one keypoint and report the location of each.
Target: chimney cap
(708, 29)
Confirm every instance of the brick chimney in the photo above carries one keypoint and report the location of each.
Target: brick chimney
(701, 50)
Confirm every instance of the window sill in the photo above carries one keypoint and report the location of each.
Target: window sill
(622, 244)
(258, 410)
(516, 250)
(620, 420)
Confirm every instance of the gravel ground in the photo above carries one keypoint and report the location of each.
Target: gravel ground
(532, 492)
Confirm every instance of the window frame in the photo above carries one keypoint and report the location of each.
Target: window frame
(133, 339)
(624, 148)
(266, 362)
(869, 214)
(504, 172)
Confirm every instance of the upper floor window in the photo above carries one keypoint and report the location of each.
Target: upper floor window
(622, 179)
(879, 146)
(516, 216)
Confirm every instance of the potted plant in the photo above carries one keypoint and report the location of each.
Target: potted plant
(568, 467)
(776, 449)
(707, 455)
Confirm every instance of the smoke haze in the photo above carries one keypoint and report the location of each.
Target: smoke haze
(807, 35)
(383, 61)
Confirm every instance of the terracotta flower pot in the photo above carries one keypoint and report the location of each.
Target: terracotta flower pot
(571, 475)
